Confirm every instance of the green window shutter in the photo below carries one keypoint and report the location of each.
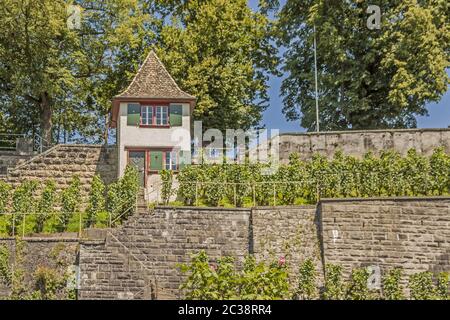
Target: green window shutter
(156, 160)
(133, 114)
(176, 115)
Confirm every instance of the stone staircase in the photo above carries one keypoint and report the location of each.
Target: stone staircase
(110, 268)
(140, 259)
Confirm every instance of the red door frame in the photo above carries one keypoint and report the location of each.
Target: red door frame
(145, 160)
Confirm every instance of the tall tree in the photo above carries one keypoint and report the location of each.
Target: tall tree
(367, 78)
(50, 72)
(219, 51)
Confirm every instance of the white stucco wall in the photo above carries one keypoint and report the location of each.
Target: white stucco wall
(139, 137)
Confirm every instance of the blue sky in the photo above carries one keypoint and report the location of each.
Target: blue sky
(439, 113)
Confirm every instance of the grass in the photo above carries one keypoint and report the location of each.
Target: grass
(51, 224)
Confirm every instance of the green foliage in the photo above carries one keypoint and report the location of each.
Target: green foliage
(167, 182)
(357, 288)
(67, 67)
(47, 283)
(23, 203)
(421, 286)
(334, 286)
(188, 179)
(5, 270)
(11, 270)
(70, 200)
(439, 181)
(121, 195)
(44, 282)
(222, 281)
(263, 281)
(306, 181)
(5, 192)
(307, 275)
(392, 289)
(367, 78)
(442, 286)
(219, 51)
(96, 201)
(45, 205)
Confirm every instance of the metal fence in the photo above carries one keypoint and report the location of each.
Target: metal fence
(17, 221)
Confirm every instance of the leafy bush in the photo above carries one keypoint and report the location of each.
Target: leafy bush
(5, 191)
(261, 281)
(221, 280)
(307, 289)
(421, 286)
(334, 286)
(442, 286)
(392, 289)
(23, 203)
(70, 200)
(45, 205)
(357, 288)
(96, 201)
(121, 195)
(167, 183)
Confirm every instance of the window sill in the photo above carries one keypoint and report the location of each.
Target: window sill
(154, 126)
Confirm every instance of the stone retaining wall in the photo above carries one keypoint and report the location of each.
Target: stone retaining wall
(52, 253)
(357, 143)
(140, 259)
(62, 162)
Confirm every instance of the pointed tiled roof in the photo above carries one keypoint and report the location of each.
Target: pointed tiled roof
(153, 81)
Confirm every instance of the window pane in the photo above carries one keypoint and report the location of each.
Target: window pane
(158, 115)
(147, 115)
(164, 115)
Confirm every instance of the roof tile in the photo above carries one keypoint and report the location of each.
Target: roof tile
(153, 81)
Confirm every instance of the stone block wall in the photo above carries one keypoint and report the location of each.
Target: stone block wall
(411, 233)
(62, 162)
(291, 232)
(357, 143)
(163, 239)
(10, 159)
(139, 260)
(52, 253)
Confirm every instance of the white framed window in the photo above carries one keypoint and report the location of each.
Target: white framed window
(162, 115)
(147, 115)
(171, 160)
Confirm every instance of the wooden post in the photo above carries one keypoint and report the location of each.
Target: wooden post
(79, 225)
(23, 224)
(274, 195)
(14, 225)
(254, 194)
(196, 193)
(234, 189)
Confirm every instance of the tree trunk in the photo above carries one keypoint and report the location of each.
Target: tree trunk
(46, 120)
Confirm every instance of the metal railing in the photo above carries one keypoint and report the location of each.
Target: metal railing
(153, 282)
(324, 185)
(22, 217)
(8, 141)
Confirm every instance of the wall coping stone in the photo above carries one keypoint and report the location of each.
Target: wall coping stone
(58, 146)
(384, 199)
(201, 208)
(41, 239)
(363, 131)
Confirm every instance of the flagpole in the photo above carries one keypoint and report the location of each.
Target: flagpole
(315, 75)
